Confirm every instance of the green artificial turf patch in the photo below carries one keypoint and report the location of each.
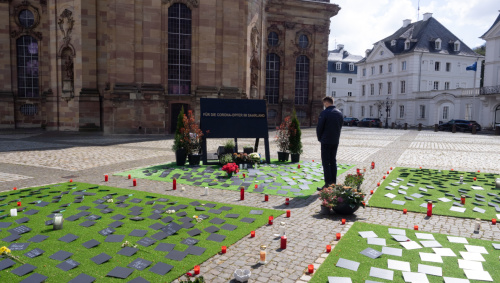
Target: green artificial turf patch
(149, 202)
(350, 246)
(287, 182)
(439, 184)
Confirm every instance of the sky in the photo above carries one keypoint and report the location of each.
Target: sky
(361, 23)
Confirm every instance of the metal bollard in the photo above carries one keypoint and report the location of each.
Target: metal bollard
(393, 125)
(454, 128)
(436, 128)
(474, 129)
(406, 126)
(419, 127)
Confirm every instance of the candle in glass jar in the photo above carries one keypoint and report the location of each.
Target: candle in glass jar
(283, 242)
(106, 178)
(477, 225)
(288, 213)
(244, 175)
(405, 211)
(242, 193)
(223, 249)
(134, 183)
(343, 221)
(371, 192)
(256, 186)
(287, 201)
(129, 176)
(298, 166)
(263, 254)
(266, 197)
(494, 221)
(429, 209)
(383, 177)
(196, 269)
(206, 191)
(15, 189)
(252, 234)
(13, 212)
(328, 248)
(18, 203)
(310, 269)
(474, 178)
(415, 227)
(174, 185)
(338, 236)
(462, 199)
(270, 220)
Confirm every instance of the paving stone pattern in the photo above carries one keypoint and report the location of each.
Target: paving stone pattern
(308, 232)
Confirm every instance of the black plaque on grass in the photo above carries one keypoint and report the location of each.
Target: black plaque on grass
(67, 265)
(164, 247)
(20, 230)
(161, 268)
(34, 253)
(6, 263)
(194, 232)
(127, 251)
(38, 238)
(90, 244)
(216, 238)
(194, 250)
(107, 231)
(146, 242)
(171, 228)
(83, 278)
(114, 238)
(138, 233)
(247, 220)
(139, 264)
(120, 272)
(189, 241)
(217, 221)
(116, 224)
(176, 255)
(18, 246)
(23, 269)
(101, 258)
(61, 255)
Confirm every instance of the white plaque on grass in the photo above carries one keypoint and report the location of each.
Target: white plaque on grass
(368, 234)
(431, 270)
(467, 264)
(455, 280)
(398, 265)
(480, 210)
(410, 185)
(444, 252)
(376, 241)
(430, 257)
(458, 240)
(389, 188)
(381, 273)
(389, 195)
(422, 189)
(444, 199)
(496, 246)
(458, 209)
(394, 184)
(398, 202)
(401, 238)
(348, 264)
(498, 216)
(476, 249)
(478, 275)
(431, 244)
(339, 279)
(477, 188)
(411, 245)
(393, 231)
(392, 251)
(415, 277)
(472, 256)
(403, 187)
(401, 192)
(423, 236)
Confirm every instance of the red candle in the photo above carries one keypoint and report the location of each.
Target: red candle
(383, 177)
(373, 165)
(244, 175)
(271, 220)
(287, 201)
(310, 269)
(223, 249)
(288, 212)
(298, 166)
(71, 180)
(328, 248)
(196, 269)
(358, 171)
(415, 227)
(242, 194)
(405, 211)
(420, 167)
(343, 221)
(462, 199)
(387, 172)
(378, 184)
(18, 203)
(429, 209)
(371, 192)
(129, 176)
(451, 169)
(106, 178)
(475, 178)
(478, 171)
(174, 187)
(252, 234)
(313, 160)
(494, 221)
(134, 182)
(283, 242)
(15, 189)
(338, 236)
(391, 168)
(266, 197)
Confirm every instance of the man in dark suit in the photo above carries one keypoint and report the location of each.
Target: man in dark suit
(328, 131)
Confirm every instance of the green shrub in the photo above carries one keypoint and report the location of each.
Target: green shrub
(295, 135)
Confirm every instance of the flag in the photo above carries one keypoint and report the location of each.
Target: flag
(472, 67)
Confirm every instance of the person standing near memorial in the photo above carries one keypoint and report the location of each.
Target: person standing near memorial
(330, 123)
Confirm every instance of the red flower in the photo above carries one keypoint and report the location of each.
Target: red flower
(189, 274)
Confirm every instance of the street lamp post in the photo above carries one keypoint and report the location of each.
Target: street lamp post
(388, 106)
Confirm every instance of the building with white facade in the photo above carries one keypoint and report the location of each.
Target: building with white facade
(342, 77)
(421, 70)
(490, 93)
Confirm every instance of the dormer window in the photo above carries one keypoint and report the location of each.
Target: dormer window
(437, 44)
(338, 65)
(351, 67)
(393, 42)
(456, 46)
(407, 44)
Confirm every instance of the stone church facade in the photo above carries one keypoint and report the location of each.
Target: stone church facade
(128, 66)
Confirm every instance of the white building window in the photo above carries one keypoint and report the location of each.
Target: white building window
(334, 93)
(468, 112)
(362, 111)
(448, 67)
(407, 44)
(393, 42)
(338, 65)
(351, 67)
(403, 66)
(446, 109)
(389, 87)
(364, 72)
(371, 111)
(381, 69)
(457, 85)
(349, 81)
(446, 85)
(349, 93)
(401, 111)
(334, 80)
(456, 46)
(403, 86)
(350, 110)
(380, 87)
(390, 67)
(436, 85)
(421, 113)
(372, 89)
(437, 44)
(373, 70)
(437, 66)
(363, 90)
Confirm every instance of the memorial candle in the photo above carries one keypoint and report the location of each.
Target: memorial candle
(494, 221)
(405, 211)
(196, 269)
(343, 221)
(310, 269)
(223, 249)
(383, 177)
(106, 178)
(474, 178)
(134, 183)
(13, 212)
(391, 168)
(71, 180)
(429, 209)
(271, 220)
(283, 242)
(477, 225)
(358, 171)
(15, 189)
(387, 172)
(288, 212)
(371, 192)
(18, 203)
(462, 199)
(338, 236)
(373, 165)
(415, 227)
(129, 176)
(242, 193)
(266, 197)
(206, 191)
(174, 184)
(378, 184)
(298, 167)
(328, 248)
(256, 186)
(244, 175)
(252, 234)
(287, 201)
(263, 254)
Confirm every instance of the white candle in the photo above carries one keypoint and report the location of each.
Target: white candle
(58, 220)
(13, 212)
(206, 191)
(477, 226)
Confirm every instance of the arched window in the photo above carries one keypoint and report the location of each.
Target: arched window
(179, 49)
(27, 66)
(302, 80)
(272, 78)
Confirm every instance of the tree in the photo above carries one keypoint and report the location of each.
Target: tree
(295, 135)
(178, 140)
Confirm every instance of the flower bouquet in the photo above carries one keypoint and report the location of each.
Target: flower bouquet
(342, 199)
(231, 168)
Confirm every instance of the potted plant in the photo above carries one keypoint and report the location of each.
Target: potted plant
(229, 147)
(341, 199)
(295, 142)
(354, 180)
(282, 139)
(230, 169)
(179, 146)
(254, 158)
(248, 149)
(225, 159)
(192, 137)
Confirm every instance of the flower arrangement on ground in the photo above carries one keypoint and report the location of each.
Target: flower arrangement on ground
(254, 158)
(240, 157)
(341, 196)
(191, 134)
(354, 180)
(231, 168)
(6, 252)
(282, 138)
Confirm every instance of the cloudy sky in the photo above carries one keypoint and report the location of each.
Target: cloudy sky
(361, 23)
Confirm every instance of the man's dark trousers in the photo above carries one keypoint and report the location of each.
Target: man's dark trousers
(328, 159)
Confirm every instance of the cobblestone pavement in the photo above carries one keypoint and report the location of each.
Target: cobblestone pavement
(35, 159)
